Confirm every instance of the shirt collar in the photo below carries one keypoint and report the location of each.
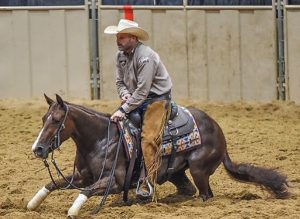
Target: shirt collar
(133, 50)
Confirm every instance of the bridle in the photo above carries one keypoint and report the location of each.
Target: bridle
(62, 126)
(57, 143)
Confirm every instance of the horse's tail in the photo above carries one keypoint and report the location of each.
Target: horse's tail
(269, 178)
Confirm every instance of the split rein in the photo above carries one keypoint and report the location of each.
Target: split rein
(57, 143)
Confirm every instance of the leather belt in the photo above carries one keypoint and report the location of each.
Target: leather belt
(154, 97)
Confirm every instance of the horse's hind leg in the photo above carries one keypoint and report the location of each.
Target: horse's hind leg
(201, 180)
(183, 184)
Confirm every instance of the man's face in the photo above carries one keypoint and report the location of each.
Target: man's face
(125, 42)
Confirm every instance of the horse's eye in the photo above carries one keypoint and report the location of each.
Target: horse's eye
(55, 120)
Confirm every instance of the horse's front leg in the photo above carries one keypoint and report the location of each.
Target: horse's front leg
(96, 189)
(42, 194)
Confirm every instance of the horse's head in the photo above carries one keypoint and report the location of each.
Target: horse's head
(54, 130)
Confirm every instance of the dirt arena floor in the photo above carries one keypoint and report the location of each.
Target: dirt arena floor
(263, 134)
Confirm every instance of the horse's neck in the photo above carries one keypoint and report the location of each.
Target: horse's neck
(90, 127)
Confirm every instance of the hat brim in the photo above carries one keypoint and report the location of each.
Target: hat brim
(136, 31)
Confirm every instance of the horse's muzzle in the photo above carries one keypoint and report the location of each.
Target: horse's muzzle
(41, 152)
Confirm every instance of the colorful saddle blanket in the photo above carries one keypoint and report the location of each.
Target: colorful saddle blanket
(181, 133)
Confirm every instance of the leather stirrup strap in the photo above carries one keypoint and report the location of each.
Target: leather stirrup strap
(170, 169)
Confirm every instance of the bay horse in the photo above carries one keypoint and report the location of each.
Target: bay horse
(97, 147)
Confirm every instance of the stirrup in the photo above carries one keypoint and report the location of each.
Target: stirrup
(140, 192)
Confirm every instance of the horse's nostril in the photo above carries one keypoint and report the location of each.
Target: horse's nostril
(38, 152)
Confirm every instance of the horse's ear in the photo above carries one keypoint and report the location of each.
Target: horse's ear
(49, 100)
(60, 101)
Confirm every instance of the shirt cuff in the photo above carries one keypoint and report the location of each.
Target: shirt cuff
(125, 107)
(121, 109)
(124, 93)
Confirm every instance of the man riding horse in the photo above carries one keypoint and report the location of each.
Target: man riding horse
(144, 85)
(101, 164)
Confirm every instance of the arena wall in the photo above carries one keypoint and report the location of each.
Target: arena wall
(212, 53)
(292, 45)
(44, 50)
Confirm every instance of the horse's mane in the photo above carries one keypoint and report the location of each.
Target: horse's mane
(88, 110)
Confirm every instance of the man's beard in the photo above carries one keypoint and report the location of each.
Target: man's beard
(123, 48)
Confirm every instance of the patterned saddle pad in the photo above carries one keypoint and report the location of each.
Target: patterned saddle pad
(181, 133)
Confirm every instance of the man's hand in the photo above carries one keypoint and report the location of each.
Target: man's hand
(117, 116)
(125, 97)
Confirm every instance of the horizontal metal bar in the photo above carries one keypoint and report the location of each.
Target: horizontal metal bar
(207, 7)
(142, 7)
(229, 7)
(292, 6)
(75, 7)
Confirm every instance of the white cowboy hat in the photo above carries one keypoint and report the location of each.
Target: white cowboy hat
(128, 26)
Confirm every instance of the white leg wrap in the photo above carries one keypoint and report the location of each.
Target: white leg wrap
(74, 210)
(38, 199)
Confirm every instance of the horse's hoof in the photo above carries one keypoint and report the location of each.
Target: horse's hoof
(73, 213)
(205, 197)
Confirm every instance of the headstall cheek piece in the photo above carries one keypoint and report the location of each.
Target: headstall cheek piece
(61, 127)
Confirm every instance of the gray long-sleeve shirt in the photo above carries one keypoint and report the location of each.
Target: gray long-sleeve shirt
(139, 73)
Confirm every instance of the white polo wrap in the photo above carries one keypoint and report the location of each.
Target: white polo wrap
(74, 210)
(38, 198)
